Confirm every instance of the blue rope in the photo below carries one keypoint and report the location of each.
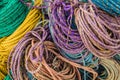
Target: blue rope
(110, 6)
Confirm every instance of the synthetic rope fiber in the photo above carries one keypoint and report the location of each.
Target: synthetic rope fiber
(77, 41)
(9, 42)
(62, 30)
(38, 55)
(65, 35)
(12, 14)
(99, 31)
(112, 69)
(110, 6)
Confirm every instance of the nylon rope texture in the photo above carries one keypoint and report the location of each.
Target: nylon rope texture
(12, 14)
(9, 42)
(42, 59)
(99, 31)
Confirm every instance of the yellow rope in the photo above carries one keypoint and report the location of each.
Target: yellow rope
(7, 43)
(112, 68)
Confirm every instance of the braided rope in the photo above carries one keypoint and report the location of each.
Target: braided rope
(112, 68)
(37, 54)
(63, 32)
(12, 14)
(98, 30)
(110, 6)
(8, 43)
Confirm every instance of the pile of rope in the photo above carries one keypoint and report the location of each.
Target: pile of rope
(59, 40)
(37, 54)
(8, 43)
(12, 14)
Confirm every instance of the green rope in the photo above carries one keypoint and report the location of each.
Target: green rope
(12, 14)
(7, 78)
(30, 77)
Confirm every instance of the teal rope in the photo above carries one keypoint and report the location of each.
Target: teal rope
(7, 78)
(110, 6)
(30, 76)
(12, 14)
(117, 58)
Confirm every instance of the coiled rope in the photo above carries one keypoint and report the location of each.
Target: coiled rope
(63, 32)
(12, 14)
(37, 54)
(112, 68)
(85, 57)
(99, 31)
(8, 43)
(110, 6)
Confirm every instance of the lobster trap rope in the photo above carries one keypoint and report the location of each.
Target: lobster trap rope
(59, 40)
(9, 42)
(62, 30)
(12, 14)
(98, 30)
(112, 68)
(110, 6)
(42, 59)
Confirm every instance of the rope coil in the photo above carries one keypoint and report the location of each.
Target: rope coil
(12, 14)
(42, 59)
(64, 35)
(98, 30)
(110, 6)
(7, 43)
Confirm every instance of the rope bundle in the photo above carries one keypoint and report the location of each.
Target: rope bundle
(66, 36)
(76, 41)
(37, 54)
(63, 32)
(8, 43)
(98, 30)
(110, 6)
(84, 58)
(112, 68)
(12, 14)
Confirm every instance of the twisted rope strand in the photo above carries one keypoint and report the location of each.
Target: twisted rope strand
(42, 59)
(12, 14)
(8, 43)
(64, 35)
(98, 30)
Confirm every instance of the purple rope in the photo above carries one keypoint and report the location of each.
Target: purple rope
(99, 31)
(64, 36)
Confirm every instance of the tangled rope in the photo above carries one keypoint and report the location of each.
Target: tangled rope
(37, 54)
(12, 14)
(76, 41)
(99, 31)
(85, 58)
(8, 43)
(63, 32)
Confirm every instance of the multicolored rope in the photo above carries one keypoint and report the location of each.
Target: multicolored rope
(7, 43)
(71, 40)
(63, 32)
(37, 54)
(99, 31)
(112, 69)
